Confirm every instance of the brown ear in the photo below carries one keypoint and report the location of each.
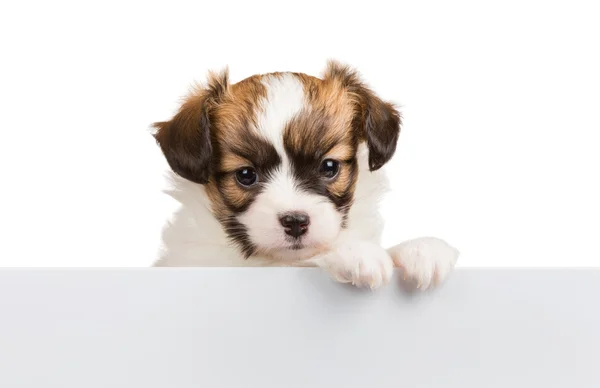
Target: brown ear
(377, 122)
(185, 140)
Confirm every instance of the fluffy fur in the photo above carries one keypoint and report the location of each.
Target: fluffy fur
(285, 169)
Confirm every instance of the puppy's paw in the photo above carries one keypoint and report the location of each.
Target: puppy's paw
(360, 263)
(426, 261)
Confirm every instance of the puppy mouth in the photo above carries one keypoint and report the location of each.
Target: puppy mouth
(297, 246)
(297, 250)
(300, 244)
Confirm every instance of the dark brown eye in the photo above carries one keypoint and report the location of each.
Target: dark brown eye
(329, 168)
(246, 176)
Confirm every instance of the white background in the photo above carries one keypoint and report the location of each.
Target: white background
(499, 153)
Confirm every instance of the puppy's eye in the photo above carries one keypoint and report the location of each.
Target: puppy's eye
(329, 168)
(246, 176)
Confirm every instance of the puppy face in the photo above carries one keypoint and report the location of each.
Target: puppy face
(277, 154)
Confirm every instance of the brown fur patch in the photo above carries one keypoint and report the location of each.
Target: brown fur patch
(341, 151)
(375, 121)
(237, 145)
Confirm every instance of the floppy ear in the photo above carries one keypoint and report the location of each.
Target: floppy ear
(185, 140)
(377, 122)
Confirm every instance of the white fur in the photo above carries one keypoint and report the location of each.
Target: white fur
(285, 99)
(353, 255)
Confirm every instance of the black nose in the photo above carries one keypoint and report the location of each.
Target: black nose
(295, 224)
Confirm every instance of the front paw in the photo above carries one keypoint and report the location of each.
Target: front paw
(426, 261)
(362, 264)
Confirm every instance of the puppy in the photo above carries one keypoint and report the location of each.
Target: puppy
(285, 169)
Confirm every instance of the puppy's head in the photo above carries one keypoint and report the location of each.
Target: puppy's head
(277, 154)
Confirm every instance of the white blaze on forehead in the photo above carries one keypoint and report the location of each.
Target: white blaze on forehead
(285, 99)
